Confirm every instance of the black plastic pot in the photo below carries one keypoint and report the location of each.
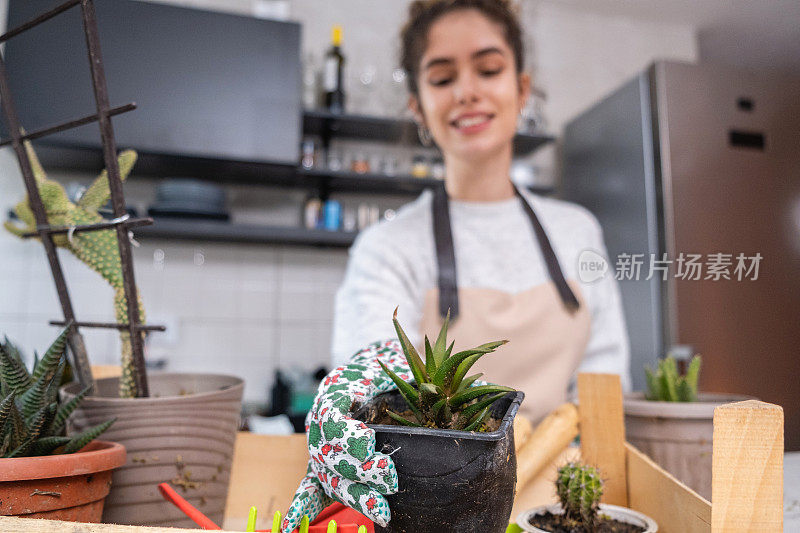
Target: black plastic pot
(450, 481)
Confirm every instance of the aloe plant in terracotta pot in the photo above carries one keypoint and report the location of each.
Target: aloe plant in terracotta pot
(185, 431)
(43, 473)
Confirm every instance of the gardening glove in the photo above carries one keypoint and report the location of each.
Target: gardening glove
(344, 465)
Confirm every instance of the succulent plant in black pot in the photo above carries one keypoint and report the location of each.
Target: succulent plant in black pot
(452, 441)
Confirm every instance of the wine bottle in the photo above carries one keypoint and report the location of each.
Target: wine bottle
(333, 74)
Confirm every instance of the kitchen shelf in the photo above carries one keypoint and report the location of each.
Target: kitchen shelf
(369, 182)
(328, 125)
(325, 182)
(215, 231)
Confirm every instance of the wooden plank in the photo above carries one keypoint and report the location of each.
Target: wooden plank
(602, 427)
(10, 524)
(266, 471)
(653, 491)
(747, 478)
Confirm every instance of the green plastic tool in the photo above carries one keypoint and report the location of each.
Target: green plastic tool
(251, 519)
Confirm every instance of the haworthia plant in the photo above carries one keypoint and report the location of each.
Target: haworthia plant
(31, 421)
(441, 395)
(665, 384)
(98, 249)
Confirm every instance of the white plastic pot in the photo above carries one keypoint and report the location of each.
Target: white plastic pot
(621, 514)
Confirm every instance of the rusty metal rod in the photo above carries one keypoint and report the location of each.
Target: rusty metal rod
(71, 124)
(131, 223)
(38, 20)
(80, 359)
(115, 185)
(109, 325)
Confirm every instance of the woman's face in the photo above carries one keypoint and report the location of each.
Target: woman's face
(469, 91)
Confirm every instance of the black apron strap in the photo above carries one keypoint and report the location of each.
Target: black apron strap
(553, 267)
(445, 254)
(446, 258)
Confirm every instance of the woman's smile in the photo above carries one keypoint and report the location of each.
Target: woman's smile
(470, 123)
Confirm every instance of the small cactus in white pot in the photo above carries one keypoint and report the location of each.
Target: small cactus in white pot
(579, 488)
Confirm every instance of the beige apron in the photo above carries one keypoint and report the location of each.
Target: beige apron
(547, 338)
(546, 341)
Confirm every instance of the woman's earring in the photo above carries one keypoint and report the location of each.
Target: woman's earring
(424, 135)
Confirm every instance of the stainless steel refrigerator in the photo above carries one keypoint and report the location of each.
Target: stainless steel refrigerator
(702, 160)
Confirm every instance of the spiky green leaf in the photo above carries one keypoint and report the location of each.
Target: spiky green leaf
(467, 414)
(52, 357)
(22, 449)
(462, 370)
(85, 437)
(409, 393)
(403, 421)
(693, 374)
(13, 372)
(5, 447)
(654, 392)
(413, 358)
(475, 392)
(669, 379)
(684, 391)
(46, 445)
(35, 398)
(36, 423)
(430, 363)
(440, 347)
(479, 419)
(467, 382)
(51, 394)
(16, 426)
(444, 375)
(66, 409)
(5, 409)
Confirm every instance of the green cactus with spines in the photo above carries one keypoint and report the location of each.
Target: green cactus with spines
(665, 384)
(31, 421)
(442, 395)
(579, 489)
(98, 249)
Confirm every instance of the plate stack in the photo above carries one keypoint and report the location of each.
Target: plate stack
(189, 198)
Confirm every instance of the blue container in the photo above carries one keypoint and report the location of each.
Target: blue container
(332, 215)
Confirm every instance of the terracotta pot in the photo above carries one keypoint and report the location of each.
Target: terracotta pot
(183, 434)
(677, 435)
(68, 487)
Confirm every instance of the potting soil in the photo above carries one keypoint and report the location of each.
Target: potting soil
(557, 523)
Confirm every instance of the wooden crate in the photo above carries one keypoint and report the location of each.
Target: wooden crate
(747, 483)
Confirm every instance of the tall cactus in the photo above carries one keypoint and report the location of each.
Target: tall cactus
(579, 489)
(98, 249)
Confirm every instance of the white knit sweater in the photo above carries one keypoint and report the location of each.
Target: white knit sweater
(394, 264)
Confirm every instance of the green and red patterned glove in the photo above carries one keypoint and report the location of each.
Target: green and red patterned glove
(344, 464)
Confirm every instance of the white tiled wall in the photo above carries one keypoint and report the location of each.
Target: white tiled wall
(247, 309)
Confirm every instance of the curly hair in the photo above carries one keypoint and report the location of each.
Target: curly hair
(423, 13)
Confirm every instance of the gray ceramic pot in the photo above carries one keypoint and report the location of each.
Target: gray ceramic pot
(677, 435)
(183, 434)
